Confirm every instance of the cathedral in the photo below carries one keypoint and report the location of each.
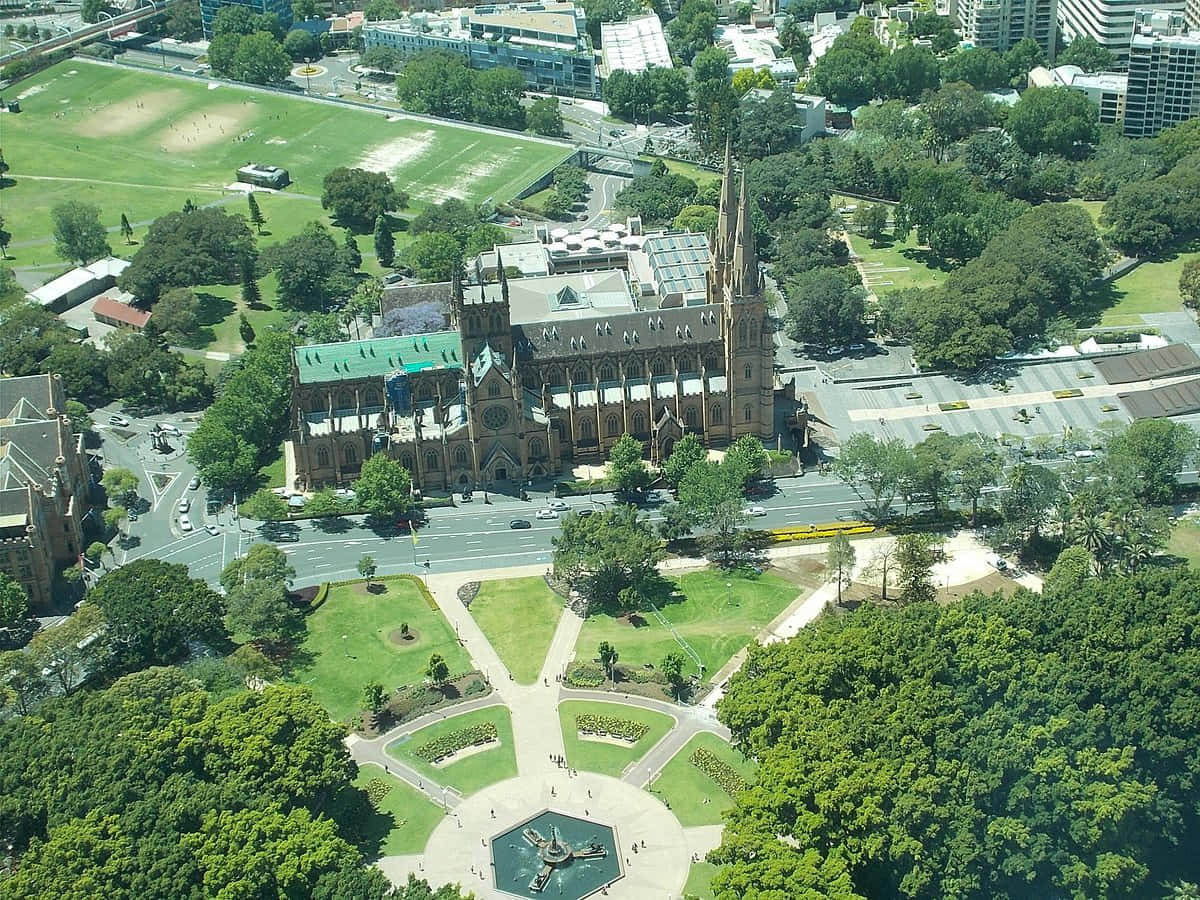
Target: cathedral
(511, 392)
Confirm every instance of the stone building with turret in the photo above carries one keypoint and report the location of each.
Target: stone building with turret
(43, 484)
(536, 374)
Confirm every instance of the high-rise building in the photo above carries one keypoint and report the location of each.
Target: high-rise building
(1110, 22)
(210, 8)
(998, 24)
(1162, 73)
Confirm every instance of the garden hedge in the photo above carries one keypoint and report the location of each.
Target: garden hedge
(440, 748)
(587, 675)
(718, 770)
(321, 595)
(625, 729)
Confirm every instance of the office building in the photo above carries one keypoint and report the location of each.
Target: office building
(43, 485)
(634, 46)
(1162, 73)
(545, 42)
(1108, 90)
(999, 24)
(1110, 22)
(533, 376)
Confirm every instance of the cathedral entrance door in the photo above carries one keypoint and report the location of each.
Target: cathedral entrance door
(501, 474)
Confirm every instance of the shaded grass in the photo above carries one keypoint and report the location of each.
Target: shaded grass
(699, 883)
(405, 817)
(918, 267)
(519, 616)
(1185, 542)
(272, 473)
(1153, 287)
(688, 170)
(472, 773)
(337, 668)
(600, 756)
(687, 788)
(717, 621)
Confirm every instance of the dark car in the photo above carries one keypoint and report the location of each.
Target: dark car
(520, 523)
(585, 512)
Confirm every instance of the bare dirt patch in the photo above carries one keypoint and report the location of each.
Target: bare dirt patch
(469, 175)
(398, 637)
(129, 115)
(205, 128)
(391, 155)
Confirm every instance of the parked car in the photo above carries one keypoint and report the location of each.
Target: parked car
(520, 523)
(185, 505)
(856, 348)
(194, 483)
(185, 524)
(585, 512)
(118, 420)
(132, 515)
(557, 504)
(467, 497)
(546, 514)
(754, 511)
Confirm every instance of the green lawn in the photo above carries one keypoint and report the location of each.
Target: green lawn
(141, 143)
(687, 788)
(717, 621)
(407, 817)
(895, 266)
(699, 883)
(471, 773)
(519, 616)
(1185, 541)
(1153, 287)
(349, 643)
(697, 174)
(272, 475)
(1093, 207)
(601, 756)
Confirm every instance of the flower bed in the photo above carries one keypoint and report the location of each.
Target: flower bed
(1067, 394)
(586, 675)
(820, 532)
(377, 789)
(439, 748)
(718, 770)
(952, 405)
(626, 730)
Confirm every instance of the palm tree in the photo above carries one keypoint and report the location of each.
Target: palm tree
(1090, 531)
(1137, 554)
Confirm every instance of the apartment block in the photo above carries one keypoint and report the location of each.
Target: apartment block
(1162, 73)
(1110, 22)
(998, 24)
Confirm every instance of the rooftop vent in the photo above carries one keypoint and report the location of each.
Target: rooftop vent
(678, 332)
(650, 322)
(635, 337)
(660, 324)
(545, 334)
(626, 336)
(599, 328)
(572, 343)
(687, 330)
(607, 328)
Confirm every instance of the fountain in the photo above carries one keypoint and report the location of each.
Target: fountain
(578, 858)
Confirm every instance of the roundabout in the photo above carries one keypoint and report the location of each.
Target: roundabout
(556, 835)
(309, 71)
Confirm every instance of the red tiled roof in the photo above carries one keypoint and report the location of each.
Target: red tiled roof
(120, 312)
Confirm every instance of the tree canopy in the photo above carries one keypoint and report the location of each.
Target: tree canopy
(184, 249)
(358, 197)
(603, 555)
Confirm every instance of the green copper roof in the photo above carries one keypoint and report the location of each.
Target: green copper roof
(380, 356)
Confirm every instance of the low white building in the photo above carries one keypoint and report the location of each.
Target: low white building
(756, 48)
(1108, 90)
(79, 284)
(634, 46)
(810, 107)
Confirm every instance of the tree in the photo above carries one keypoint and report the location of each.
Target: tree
(601, 555)
(96, 550)
(1054, 120)
(1087, 53)
(872, 468)
(496, 97)
(977, 469)
(303, 10)
(78, 233)
(982, 68)
(381, 59)
(366, 567)
(712, 495)
(113, 518)
(89, 11)
(544, 116)
(848, 73)
(385, 244)
(153, 610)
(262, 562)
(351, 257)
(301, 45)
(601, 11)
(839, 560)
(84, 372)
(672, 666)
(915, 556)
(358, 197)
(184, 249)
(435, 83)
(1139, 218)
(121, 485)
(1156, 450)
(939, 30)
(1021, 57)
(452, 216)
(748, 455)
(954, 111)
(908, 73)
(795, 42)
(256, 216)
(14, 604)
(824, 308)
(1032, 493)
(693, 29)
(608, 658)
(626, 469)
(434, 256)
(126, 229)
(381, 10)
(657, 198)
(23, 680)
(258, 608)
(310, 270)
(237, 20)
(871, 219)
(437, 670)
(260, 59)
(1189, 283)
(384, 488)
(687, 452)
(177, 314)
(374, 698)
(264, 505)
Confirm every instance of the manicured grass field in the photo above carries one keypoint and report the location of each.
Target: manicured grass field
(407, 815)
(141, 143)
(697, 174)
(601, 756)
(687, 788)
(518, 615)
(349, 643)
(906, 258)
(717, 621)
(471, 773)
(1153, 287)
(699, 883)
(1185, 542)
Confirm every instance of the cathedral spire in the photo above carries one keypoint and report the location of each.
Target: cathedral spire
(723, 239)
(501, 277)
(745, 259)
(456, 297)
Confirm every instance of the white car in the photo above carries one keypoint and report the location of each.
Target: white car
(754, 511)
(185, 524)
(185, 505)
(118, 420)
(170, 429)
(559, 505)
(546, 514)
